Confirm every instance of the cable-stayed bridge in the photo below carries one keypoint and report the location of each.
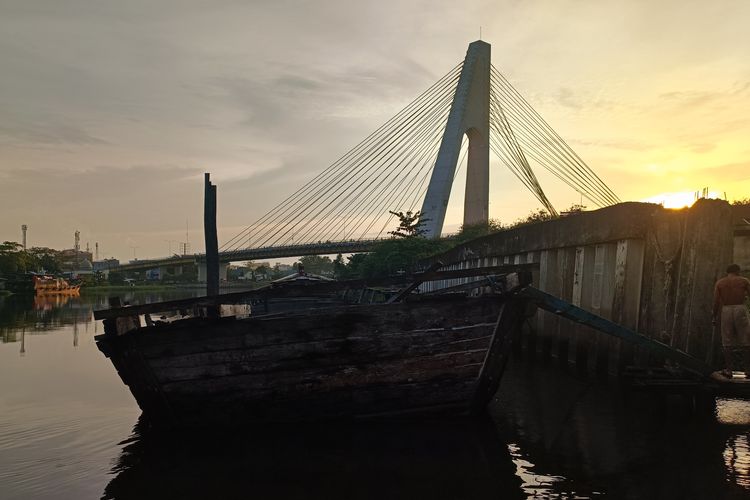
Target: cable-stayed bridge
(410, 162)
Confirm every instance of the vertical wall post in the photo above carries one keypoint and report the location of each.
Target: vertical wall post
(212, 240)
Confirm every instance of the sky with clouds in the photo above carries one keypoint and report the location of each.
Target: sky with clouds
(110, 112)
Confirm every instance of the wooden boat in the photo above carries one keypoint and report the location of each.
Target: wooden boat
(49, 285)
(432, 354)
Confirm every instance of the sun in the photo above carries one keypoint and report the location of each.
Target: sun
(679, 200)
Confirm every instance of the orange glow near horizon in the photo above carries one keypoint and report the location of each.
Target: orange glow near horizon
(678, 200)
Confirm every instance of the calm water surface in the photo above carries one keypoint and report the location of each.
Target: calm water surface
(69, 428)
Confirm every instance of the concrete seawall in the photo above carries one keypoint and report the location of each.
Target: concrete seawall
(646, 267)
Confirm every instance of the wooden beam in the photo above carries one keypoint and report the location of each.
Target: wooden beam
(211, 238)
(292, 289)
(567, 310)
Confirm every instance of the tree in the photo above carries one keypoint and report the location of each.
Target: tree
(410, 224)
(46, 259)
(116, 278)
(538, 215)
(13, 259)
(316, 264)
(574, 209)
(470, 231)
(339, 267)
(263, 270)
(741, 202)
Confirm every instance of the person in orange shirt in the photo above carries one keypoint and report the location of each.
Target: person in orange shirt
(730, 293)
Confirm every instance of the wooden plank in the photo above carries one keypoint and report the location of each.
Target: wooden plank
(195, 335)
(601, 303)
(626, 300)
(428, 275)
(508, 323)
(565, 269)
(299, 290)
(582, 337)
(549, 281)
(306, 380)
(322, 355)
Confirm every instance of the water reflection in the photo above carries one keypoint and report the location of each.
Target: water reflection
(23, 314)
(64, 411)
(577, 438)
(456, 459)
(737, 459)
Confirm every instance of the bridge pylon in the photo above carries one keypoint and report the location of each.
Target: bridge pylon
(470, 115)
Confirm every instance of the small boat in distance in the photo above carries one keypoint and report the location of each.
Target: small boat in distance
(49, 285)
(213, 364)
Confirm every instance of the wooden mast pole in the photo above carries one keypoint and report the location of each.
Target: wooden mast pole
(212, 240)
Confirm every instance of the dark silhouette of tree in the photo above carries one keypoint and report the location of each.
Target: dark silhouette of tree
(410, 224)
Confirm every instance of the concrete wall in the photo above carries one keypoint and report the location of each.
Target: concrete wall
(741, 222)
(643, 266)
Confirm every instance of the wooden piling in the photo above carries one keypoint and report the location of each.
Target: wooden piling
(211, 237)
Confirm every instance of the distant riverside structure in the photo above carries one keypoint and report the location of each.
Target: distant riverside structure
(105, 265)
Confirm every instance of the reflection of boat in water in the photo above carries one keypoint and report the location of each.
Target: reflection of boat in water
(456, 458)
(49, 285)
(48, 302)
(441, 354)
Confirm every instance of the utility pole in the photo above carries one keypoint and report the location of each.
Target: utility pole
(24, 227)
(77, 248)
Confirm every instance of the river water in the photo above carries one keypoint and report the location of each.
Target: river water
(69, 428)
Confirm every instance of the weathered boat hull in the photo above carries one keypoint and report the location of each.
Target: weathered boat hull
(441, 355)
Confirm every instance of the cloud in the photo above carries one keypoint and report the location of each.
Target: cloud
(566, 97)
(48, 134)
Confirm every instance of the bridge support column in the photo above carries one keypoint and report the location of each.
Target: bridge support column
(470, 115)
(203, 272)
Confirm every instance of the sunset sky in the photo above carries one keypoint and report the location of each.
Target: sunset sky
(110, 112)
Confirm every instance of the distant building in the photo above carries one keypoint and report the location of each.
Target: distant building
(75, 260)
(105, 265)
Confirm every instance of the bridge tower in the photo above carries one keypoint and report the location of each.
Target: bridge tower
(470, 115)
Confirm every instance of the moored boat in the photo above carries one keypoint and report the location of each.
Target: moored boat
(49, 285)
(425, 355)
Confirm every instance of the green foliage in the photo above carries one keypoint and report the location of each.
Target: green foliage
(262, 270)
(315, 264)
(403, 253)
(574, 208)
(116, 278)
(14, 259)
(541, 215)
(46, 258)
(534, 216)
(339, 267)
(471, 231)
(395, 256)
(410, 224)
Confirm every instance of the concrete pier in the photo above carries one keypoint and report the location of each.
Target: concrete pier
(648, 268)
